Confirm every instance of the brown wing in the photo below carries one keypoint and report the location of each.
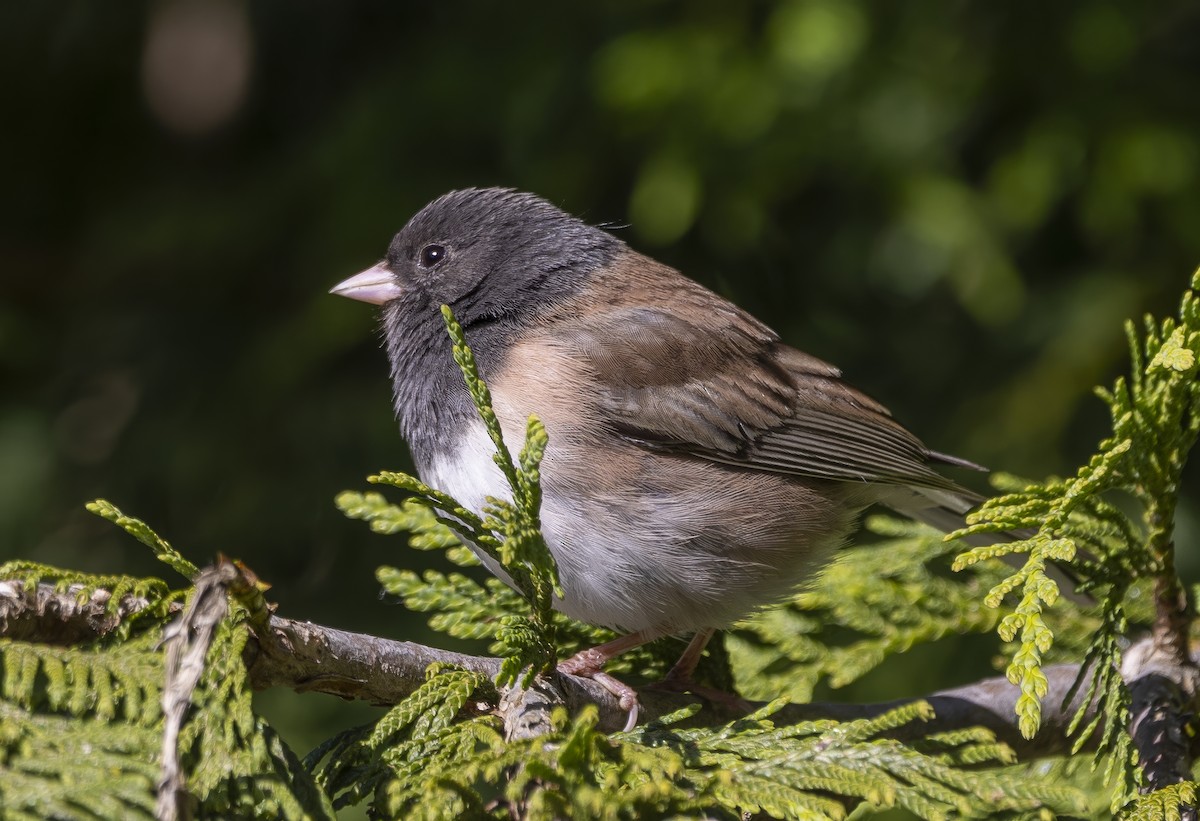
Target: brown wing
(700, 376)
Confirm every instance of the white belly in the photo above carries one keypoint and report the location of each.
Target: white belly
(630, 560)
(592, 555)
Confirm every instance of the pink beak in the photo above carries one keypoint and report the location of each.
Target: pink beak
(376, 285)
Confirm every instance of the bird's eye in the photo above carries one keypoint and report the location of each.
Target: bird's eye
(431, 255)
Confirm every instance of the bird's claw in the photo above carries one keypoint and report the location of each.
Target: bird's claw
(587, 664)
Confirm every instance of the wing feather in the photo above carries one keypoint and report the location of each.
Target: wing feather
(731, 392)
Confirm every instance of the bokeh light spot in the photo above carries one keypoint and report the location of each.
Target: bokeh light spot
(817, 37)
(665, 200)
(196, 63)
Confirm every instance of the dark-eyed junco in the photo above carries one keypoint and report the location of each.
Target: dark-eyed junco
(698, 467)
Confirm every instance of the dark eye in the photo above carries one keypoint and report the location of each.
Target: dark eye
(431, 255)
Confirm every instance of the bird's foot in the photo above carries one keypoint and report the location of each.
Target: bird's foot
(590, 664)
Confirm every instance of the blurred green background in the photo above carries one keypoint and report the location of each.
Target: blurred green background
(958, 203)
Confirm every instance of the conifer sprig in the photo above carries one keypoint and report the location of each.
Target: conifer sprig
(141, 531)
(1155, 420)
(509, 532)
(867, 605)
(81, 726)
(428, 758)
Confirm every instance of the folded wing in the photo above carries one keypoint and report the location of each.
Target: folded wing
(721, 386)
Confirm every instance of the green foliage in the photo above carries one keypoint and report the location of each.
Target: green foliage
(1161, 805)
(427, 760)
(75, 766)
(235, 762)
(465, 608)
(403, 760)
(1155, 418)
(426, 531)
(142, 532)
(870, 603)
(118, 683)
(509, 532)
(81, 726)
(793, 771)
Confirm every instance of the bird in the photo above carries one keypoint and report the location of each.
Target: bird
(698, 468)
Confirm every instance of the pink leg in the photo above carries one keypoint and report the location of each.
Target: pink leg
(683, 669)
(590, 664)
(679, 679)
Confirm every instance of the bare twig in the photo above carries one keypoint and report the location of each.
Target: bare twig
(186, 642)
(526, 711)
(1163, 692)
(311, 657)
(307, 657)
(50, 616)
